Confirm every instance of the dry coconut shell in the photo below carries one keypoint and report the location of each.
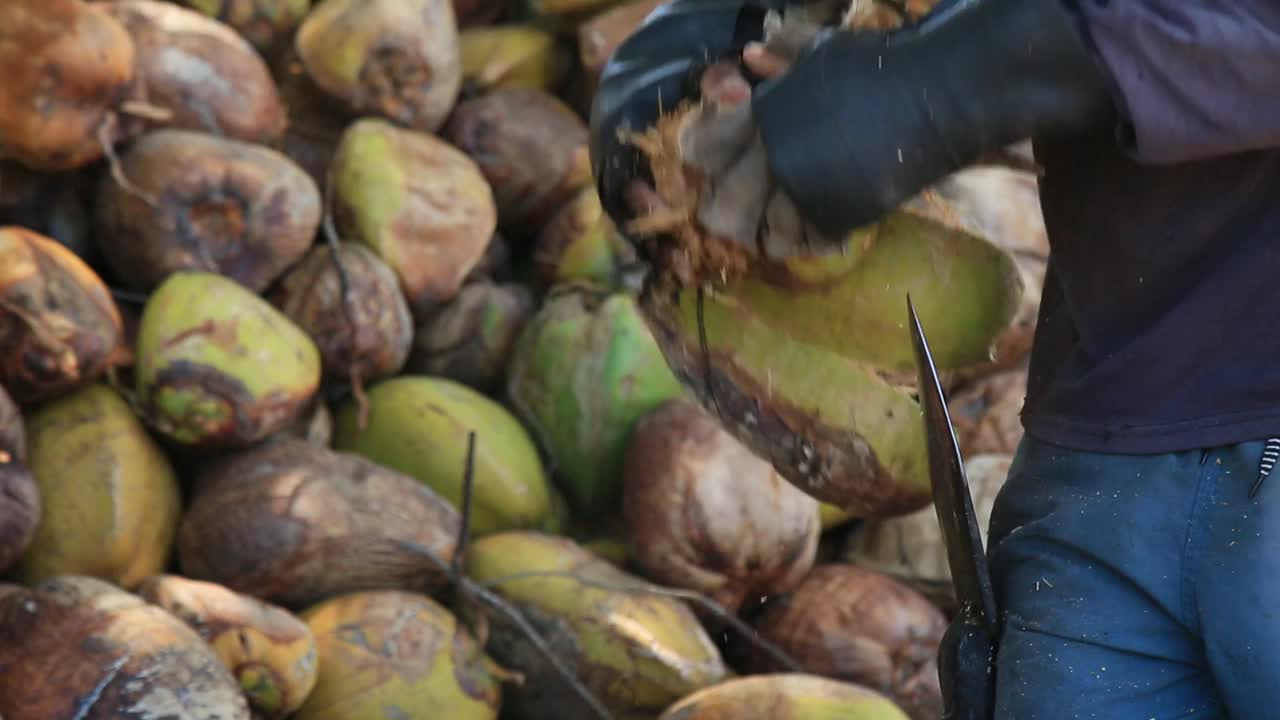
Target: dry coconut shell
(363, 333)
(986, 414)
(201, 72)
(201, 202)
(59, 326)
(78, 647)
(705, 514)
(531, 147)
(292, 523)
(421, 204)
(910, 548)
(847, 623)
(68, 68)
(399, 59)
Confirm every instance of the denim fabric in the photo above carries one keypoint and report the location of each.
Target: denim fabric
(1135, 587)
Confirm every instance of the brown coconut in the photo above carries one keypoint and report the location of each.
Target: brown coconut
(862, 627)
(705, 514)
(200, 202)
(471, 339)
(201, 72)
(292, 523)
(59, 326)
(530, 146)
(365, 335)
(69, 69)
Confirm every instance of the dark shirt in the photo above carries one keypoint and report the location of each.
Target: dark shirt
(1159, 327)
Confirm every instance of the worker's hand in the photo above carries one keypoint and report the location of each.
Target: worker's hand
(739, 199)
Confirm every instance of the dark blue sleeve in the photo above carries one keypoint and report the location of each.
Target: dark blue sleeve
(1192, 78)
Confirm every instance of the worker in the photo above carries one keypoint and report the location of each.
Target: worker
(1135, 547)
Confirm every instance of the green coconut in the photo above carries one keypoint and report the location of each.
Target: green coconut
(809, 362)
(420, 203)
(109, 496)
(637, 651)
(585, 370)
(217, 365)
(419, 425)
(581, 243)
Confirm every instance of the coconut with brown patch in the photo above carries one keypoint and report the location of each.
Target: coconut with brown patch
(79, 647)
(200, 202)
(705, 514)
(400, 656)
(292, 523)
(202, 73)
(59, 326)
(398, 59)
(421, 204)
(219, 366)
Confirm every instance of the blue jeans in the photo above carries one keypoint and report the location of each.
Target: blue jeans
(1135, 587)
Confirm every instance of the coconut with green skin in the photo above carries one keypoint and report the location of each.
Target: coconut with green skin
(399, 59)
(809, 361)
(217, 365)
(582, 243)
(585, 370)
(637, 651)
(421, 204)
(419, 425)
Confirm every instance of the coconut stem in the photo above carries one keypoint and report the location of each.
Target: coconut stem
(344, 287)
(146, 111)
(696, 598)
(117, 169)
(496, 602)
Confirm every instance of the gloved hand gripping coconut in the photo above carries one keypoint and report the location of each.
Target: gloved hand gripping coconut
(859, 124)
(712, 176)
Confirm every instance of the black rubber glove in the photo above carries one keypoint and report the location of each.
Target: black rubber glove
(656, 67)
(864, 121)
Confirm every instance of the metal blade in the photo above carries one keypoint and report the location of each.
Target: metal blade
(951, 497)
